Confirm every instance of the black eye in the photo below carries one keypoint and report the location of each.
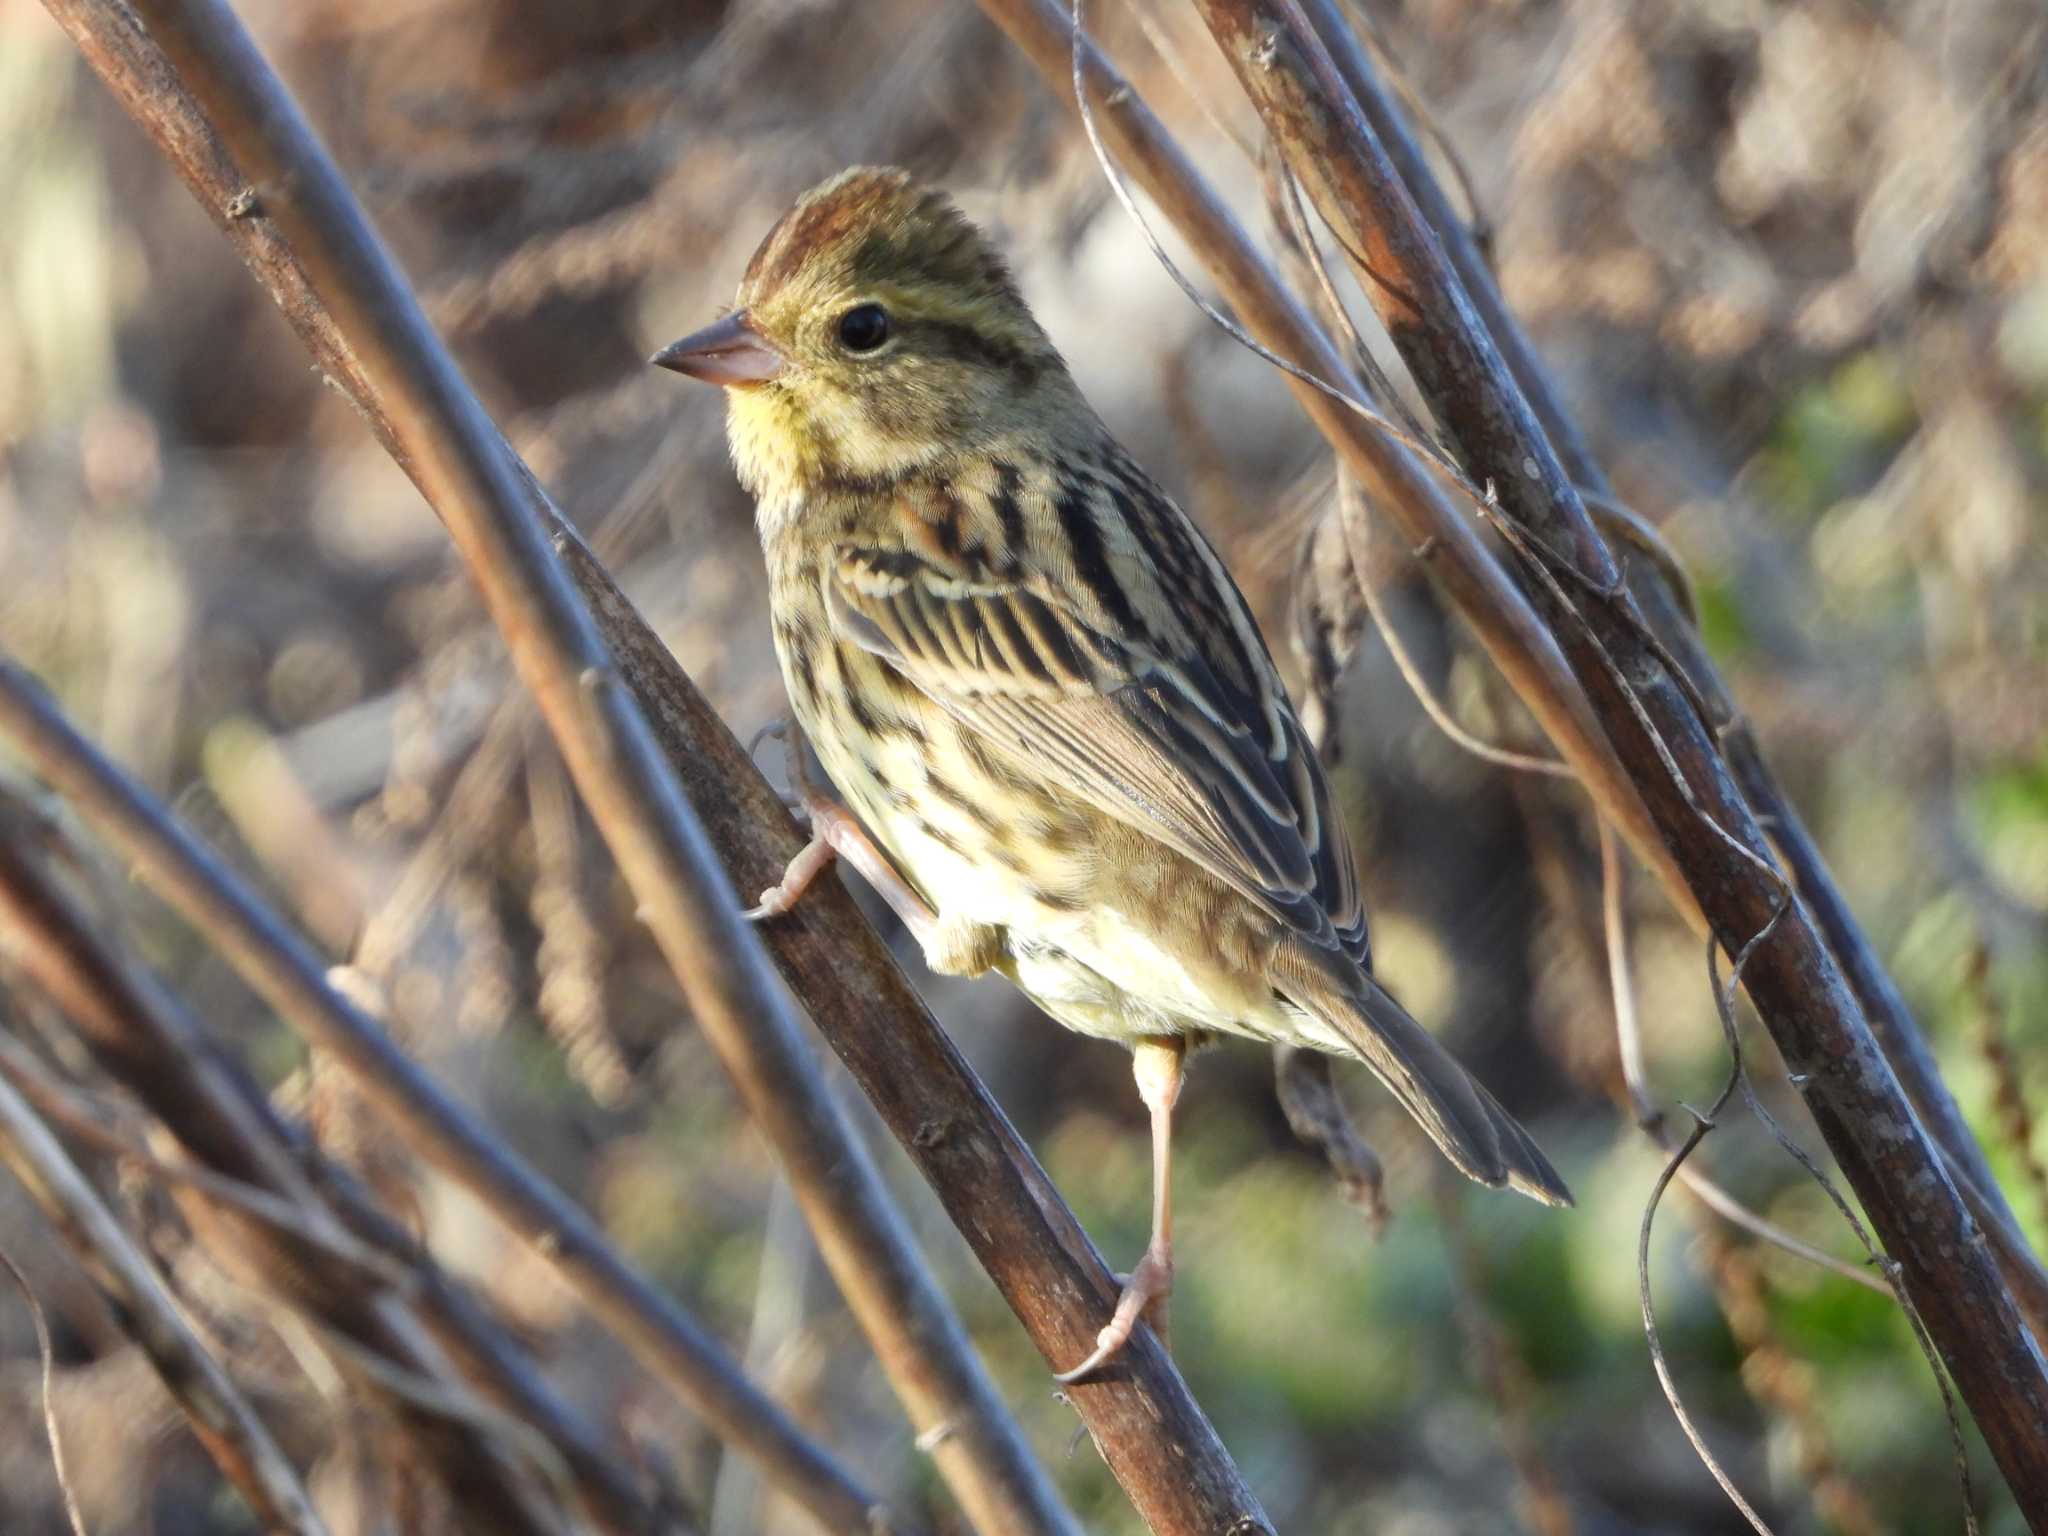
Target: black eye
(864, 327)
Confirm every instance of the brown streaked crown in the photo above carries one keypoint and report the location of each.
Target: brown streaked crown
(876, 226)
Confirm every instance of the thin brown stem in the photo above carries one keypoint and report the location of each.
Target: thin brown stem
(1154, 1437)
(284, 969)
(219, 1414)
(297, 1226)
(1672, 755)
(1667, 606)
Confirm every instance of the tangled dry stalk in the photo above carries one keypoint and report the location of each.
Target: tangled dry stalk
(1602, 652)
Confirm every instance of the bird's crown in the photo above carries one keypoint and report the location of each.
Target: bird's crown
(875, 226)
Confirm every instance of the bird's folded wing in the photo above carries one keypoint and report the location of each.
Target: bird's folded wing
(1159, 741)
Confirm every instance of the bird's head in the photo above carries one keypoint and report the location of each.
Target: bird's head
(876, 332)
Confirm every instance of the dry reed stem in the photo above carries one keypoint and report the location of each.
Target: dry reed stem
(1671, 752)
(220, 1416)
(1150, 1431)
(269, 1208)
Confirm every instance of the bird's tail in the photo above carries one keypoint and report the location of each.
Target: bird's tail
(1483, 1140)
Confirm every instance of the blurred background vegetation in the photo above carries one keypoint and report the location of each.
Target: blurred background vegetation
(1790, 261)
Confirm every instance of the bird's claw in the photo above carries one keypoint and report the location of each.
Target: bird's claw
(773, 903)
(1144, 1295)
(780, 897)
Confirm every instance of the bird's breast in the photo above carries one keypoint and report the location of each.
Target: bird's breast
(1110, 929)
(933, 798)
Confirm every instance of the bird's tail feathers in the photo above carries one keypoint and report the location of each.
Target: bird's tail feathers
(1482, 1140)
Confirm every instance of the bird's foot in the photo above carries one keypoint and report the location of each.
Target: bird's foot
(835, 833)
(1145, 1294)
(797, 876)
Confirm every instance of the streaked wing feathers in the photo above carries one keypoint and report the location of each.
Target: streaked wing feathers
(1149, 733)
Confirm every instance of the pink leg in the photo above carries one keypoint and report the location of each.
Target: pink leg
(797, 875)
(1156, 1062)
(835, 833)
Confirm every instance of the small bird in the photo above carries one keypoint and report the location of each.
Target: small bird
(1033, 681)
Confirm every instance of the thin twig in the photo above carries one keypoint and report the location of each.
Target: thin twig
(1299, 241)
(1351, 507)
(1651, 1119)
(1628, 1034)
(1888, 1267)
(1667, 607)
(1703, 1122)
(220, 1416)
(1658, 1361)
(1357, 519)
(1779, 1384)
(1156, 1440)
(1472, 220)
(285, 1220)
(352, 1263)
(1176, 60)
(47, 1356)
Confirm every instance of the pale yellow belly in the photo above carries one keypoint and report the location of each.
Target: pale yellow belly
(1095, 918)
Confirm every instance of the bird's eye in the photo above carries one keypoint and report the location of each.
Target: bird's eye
(864, 327)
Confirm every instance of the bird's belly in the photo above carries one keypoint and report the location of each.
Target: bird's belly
(1105, 976)
(1088, 908)
(1073, 946)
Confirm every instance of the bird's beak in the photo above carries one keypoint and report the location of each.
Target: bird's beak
(728, 351)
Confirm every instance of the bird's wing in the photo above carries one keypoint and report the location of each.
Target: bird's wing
(1117, 655)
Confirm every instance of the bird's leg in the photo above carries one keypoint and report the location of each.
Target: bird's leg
(836, 834)
(952, 946)
(1156, 1062)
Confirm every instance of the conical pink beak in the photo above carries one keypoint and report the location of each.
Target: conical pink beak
(728, 351)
